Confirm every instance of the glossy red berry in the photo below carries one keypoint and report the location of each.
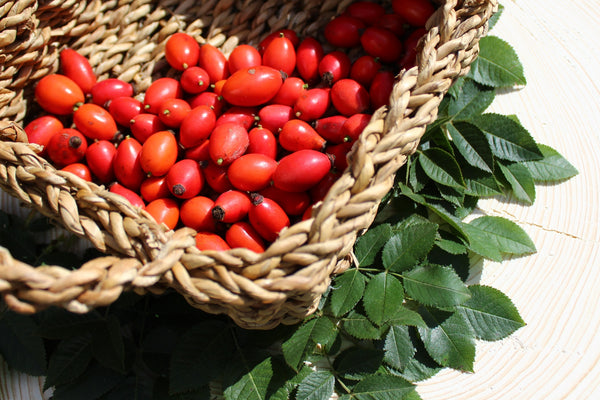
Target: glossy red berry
(78, 68)
(251, 172)
(242, 235)
(228, 142)
(231, 206)
(211, 241)
(66, 147)
(185, 179)
(196, 213)
(106, 90)
(129, 194)
(301, 170)
(195, 80)
(41, 129)
(182, 51)
(123, 109)
(95, 122)
(127, 166)
(267, 217)
(80, 170)
(164, 211)
(58, 94)
(100, 157)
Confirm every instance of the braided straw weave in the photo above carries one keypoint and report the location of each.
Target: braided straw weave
(125, 39)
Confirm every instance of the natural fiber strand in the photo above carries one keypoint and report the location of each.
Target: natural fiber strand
(125, 40)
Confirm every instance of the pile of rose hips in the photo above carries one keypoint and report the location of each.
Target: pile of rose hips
(235, 147)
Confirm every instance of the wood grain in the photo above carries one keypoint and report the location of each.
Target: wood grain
(17, 386)
(557, 290)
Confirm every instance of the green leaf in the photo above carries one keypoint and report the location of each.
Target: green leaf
(508, 139)
(157, 347)
(449, 339)
(443, 214)
(411, 221)
(254, 383)
(284, 379)
(382, 387)
(436, 285)
(200, 355)
(68, 361)
(57, 323)
(450, 243)
(454, 196)
(91, 385)
(441, 167)
(316, 386)
(491, 314)
(491, 237)
(356, 362)
(299, 344)
(368, 245)
(405, 316)
(473, 100)
(395, 209)
(107, 344)
(437, 138)
(421, 366)
(553, 167)
(160, 391)
(398, 347)
(494, 18)
(20, 345)
(520, 181)
(454, 92)
(324, 332)
(514, 117)
(472, 144)
(414, 395)
(407, 246)
(460, 263)
(467, 208)
(497, 64)
(160, 340)
(347, 291)
(359, 326)
(20, 242)
(383, 296)
(137, 387)
(284, 391)
(480, 244)
(417, 177)
(482, 185)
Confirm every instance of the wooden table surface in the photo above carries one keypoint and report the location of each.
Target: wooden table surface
(557, 290)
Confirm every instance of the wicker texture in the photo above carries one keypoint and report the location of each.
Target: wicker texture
(125, 39)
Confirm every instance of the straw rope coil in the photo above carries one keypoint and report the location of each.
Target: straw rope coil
(125, 39)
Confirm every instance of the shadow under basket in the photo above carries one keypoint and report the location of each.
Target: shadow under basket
(125, 39)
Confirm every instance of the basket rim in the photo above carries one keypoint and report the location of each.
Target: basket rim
(446, 52)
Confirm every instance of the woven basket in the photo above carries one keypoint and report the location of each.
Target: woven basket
(125, 39)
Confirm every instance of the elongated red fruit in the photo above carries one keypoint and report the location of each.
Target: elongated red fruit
(242, 234)
(252, 86)
(267, 217)
(78, 68)
(301, 170)
(231, 206)
(211, 241)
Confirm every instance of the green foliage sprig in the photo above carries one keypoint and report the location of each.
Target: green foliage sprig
(402, 313)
